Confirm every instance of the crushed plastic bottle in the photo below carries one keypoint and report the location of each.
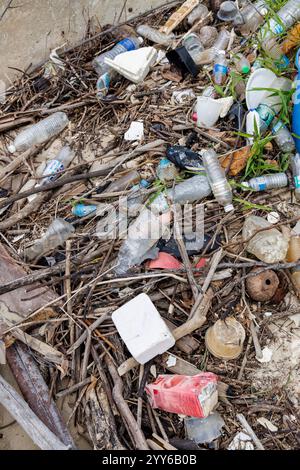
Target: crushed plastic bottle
(127, 44)
(242, 64)
(204, 430)
(283, 137)
(166, 170)
(208, 55)
(252, 15)
(265, 182)
(220, 68)
(154, 35)
(296, 105)
(208, 35)
(217, 179)
(295, 165)
(153, 222)
(58, 232)
(229, 12)
(193, 45)
(283, 21)
(40, 132)
(273, 50)
(185, 395)
(197, 14)
(269, 246)
(55, 167)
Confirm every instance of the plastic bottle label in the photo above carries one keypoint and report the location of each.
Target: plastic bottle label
(262, 186)
(277, 28)
(222, 69)
(81, 210)
(266, 114)
(53, 167)
(128, 44)
(297, 182)
(278, 126)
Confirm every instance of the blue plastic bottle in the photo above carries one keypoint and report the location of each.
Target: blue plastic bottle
(296, 108)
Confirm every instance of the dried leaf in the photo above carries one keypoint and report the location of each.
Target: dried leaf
(239, 160)
(292, 40)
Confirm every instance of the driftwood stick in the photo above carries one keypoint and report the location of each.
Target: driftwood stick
(33, 426)
(250, 431)
(136, 432)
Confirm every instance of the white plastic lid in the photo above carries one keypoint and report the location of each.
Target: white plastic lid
(11, 148)
(229, 208)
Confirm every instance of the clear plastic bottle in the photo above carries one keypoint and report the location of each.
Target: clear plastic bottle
(40, 132)
(204, 430)
(263, 183)
(273, 50)
(104, 82)
(284, 20)
(127, 44)
(55, 167)
(209, 55)
(220, 68)
(82, 210)
(295, 165)
(242, 64)
(217, 179)
(58, 232)
(153, 222)
(283, 137)
(193, 45)
(269, 246)
(154, 35)
(208, 35)
(198, 13)
(166, 170)
(253, 16)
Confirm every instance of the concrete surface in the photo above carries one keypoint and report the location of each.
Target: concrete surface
(29, 29)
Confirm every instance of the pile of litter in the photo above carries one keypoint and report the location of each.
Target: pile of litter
(150, 243)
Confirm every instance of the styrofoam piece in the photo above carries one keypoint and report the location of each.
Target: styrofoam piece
(273, 217)
(260, 78)
(241, 441)
(252, 116)
(267, 424)
(135, 131)
(267, 354)
(142, 329)
(134, 65)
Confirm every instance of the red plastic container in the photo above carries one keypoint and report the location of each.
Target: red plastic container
(195, 395)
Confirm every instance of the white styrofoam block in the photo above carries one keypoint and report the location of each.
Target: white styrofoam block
(142, 329)
(134, 65)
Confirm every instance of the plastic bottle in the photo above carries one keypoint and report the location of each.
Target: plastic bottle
(295, 165)
(209, 55)
(253, 16)
(220, 68)
(185, 395)
(296, 105)
(166, 170)
(125, 182)
(273, 50)
(242, 64)
(283, 137)
(193, 45)
(285, 18)
(104, 82)
(208, 35)
(58, 232)
(269, 246)
(204, 430)
(217, 179)
(154, 35)
(55, 167)
(263, 183)
(198, 13)
(127, 44)
(153, 223)
(40, 132)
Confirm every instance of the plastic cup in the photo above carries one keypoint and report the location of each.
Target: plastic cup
(208, 111)
(225, 339)
(228, 11)
(261, 78)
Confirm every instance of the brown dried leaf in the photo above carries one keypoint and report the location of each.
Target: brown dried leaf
(239, 160)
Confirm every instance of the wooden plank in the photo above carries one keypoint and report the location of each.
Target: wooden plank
(32, 425)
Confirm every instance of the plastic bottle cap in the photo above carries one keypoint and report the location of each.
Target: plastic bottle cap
(140, 39)
(11, 148)
(245, 69)
(229, 208)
